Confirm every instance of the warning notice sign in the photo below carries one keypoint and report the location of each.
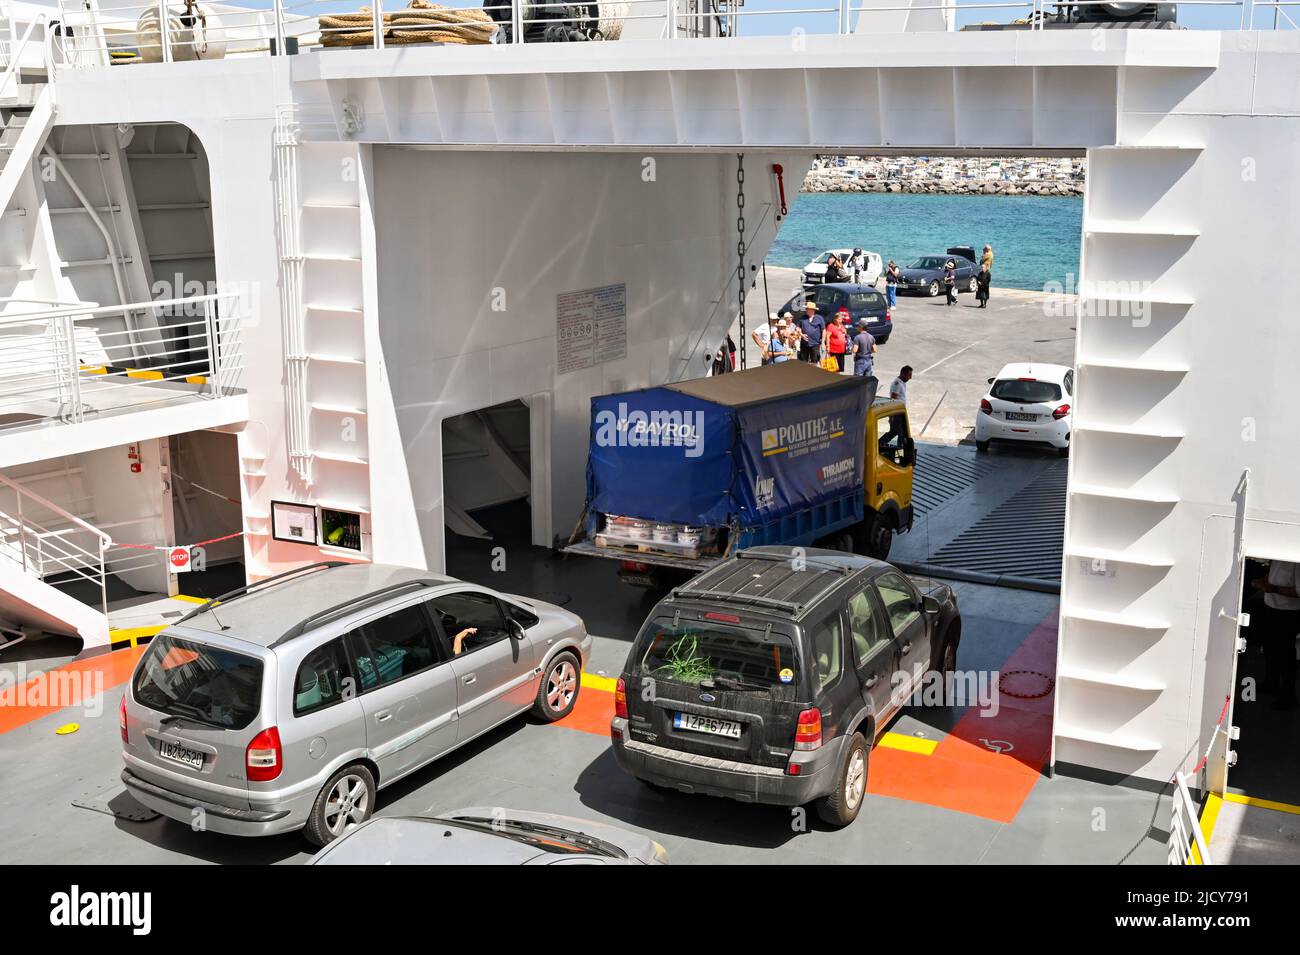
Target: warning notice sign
(590, 327)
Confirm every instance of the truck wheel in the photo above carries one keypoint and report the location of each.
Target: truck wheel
(841, 806)
(873, 538)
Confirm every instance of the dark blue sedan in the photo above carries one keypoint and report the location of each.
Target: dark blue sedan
(861, 301)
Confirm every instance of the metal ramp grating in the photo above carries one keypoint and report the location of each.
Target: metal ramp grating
(1023, 536)
(942, 473)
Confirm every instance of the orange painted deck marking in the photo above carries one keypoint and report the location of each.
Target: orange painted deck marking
(29, 701)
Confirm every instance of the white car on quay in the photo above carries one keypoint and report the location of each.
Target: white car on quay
(814, 273)
(1027, 403)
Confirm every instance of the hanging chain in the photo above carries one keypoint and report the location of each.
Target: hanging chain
(741, 275)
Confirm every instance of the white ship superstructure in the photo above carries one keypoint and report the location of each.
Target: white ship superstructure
(324, 301)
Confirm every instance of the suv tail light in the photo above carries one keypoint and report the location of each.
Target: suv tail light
(121, 720)
(620, 699)
(808, 734)
(1061, 412)
(264, 758)
(985, 407)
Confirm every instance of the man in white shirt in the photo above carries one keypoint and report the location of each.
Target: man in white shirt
(1281, 589)
(762, 335)
(898, 387)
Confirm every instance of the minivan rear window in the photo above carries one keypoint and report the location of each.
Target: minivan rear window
(204, 683)
(1025, 392)
(729, 657)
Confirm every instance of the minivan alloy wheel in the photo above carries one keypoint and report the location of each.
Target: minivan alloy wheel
(348, 804)
(561, 685)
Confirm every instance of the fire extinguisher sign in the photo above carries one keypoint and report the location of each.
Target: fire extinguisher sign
(178, 559)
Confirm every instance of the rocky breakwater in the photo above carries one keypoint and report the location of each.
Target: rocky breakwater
(823, 180)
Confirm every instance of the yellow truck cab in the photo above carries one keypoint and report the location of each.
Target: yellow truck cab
(887, 478)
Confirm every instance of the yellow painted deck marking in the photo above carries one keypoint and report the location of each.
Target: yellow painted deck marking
(594, 681)
(1209, 816)
(1262, 803)
(133, 635)
(909, 744)
(67, 729)
(188, 599)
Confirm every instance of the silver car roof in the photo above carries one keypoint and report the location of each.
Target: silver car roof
(264, 615)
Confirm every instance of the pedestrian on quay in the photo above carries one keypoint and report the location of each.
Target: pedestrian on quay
(724, 359)
(837, 338)
(982, 285)
(891, 283)
(986, 259)
(898, 387)
(777, 350)
(864, 355)
(811, 327)
(950, 281)
(762, 335)
(856, 265)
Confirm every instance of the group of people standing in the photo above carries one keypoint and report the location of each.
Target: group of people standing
(982, 278)
(810, 339)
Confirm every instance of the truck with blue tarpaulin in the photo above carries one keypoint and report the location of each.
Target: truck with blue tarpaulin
(681, 475)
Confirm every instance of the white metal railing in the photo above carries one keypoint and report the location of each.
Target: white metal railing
(13, 52)
(95, 35)
(67, 362)
(44, 552)
(1187, 844)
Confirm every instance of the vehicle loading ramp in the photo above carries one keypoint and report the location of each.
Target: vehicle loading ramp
(997, 518)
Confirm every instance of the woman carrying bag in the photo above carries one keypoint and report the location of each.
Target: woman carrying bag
(837, 342)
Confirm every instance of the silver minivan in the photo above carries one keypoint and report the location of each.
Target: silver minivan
(289, 703)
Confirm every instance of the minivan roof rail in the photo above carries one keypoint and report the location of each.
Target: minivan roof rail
(264, 582)
(369, 600)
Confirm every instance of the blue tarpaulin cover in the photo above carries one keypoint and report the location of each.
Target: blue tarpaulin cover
(749, 447)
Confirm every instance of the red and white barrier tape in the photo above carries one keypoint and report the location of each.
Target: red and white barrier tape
(214, 540)
(1223, 715)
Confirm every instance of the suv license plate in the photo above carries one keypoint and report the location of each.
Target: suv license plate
(706, 724)
(1021, 416)
(180, 754)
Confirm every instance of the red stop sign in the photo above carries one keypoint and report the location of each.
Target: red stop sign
(179, 558)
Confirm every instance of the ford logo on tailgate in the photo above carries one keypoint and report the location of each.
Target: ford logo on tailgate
(707, 697)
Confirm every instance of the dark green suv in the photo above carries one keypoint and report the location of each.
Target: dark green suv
(769, 677)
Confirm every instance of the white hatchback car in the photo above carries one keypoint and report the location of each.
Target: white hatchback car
(1027, 403)
(814, 273)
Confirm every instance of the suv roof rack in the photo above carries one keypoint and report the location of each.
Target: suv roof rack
(347, 606)
(723, 594)
(266, 581)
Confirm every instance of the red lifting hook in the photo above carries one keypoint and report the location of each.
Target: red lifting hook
(780, 183)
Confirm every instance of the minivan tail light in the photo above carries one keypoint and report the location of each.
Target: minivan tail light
(620, 699)
(985, 406)
(264, 758)
(1061, 412)
(121, 720)
(808, 732)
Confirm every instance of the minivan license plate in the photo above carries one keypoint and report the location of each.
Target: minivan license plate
(180, 754)
(706, 724)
